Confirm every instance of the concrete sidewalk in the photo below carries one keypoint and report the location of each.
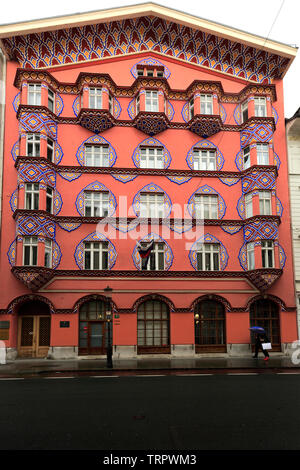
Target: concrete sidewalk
(38, 367)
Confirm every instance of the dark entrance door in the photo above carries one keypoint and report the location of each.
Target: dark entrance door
(92, 329)
(265, 313)
(210, 327)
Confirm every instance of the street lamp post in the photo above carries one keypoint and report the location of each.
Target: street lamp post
(108, 291)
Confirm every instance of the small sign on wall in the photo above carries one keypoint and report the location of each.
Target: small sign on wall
(4, 330)
(64, 324)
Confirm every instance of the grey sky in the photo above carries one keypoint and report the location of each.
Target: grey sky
(256, 17)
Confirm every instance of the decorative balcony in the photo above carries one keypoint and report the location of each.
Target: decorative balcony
(96, 120)
(263, 279)
(151, 123)
(33, 277)
(205, 125)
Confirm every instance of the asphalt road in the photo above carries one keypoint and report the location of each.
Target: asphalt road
(225, 412)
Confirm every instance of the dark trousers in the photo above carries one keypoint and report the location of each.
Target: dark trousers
(258, 346)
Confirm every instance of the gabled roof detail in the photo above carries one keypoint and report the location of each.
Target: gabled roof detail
(145, 28)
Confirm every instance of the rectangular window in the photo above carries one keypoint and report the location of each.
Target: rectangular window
(95, 98)
(260, 107)
(265, 205)
(152, 205)
(50, 150)
(49, 200)
(262, 151)
(151, 157)
(48, 253)
(206, 104)
(204, 159)
(51, 100)
(150, 73)
(206, 207)
(96, 203)
(244, 111)
(248, 205)
(157, 257)
(267, 252)
(137, 104)
(208, 257)
(191, 109)
(33, 145)
(34, 94)
(30, 247)
(110, 104)
(96, 155)
(250, 256)
(151, 101)
(95, 255)
(32, 191)
(246, 157)
(140, 72)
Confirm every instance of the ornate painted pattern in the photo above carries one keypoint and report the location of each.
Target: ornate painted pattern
(116, 108)
(12, 253)
(76, 106)
(275, 115)
(241, 207)
(57, 202)
(68, 226)
(209, 191)
(56, 254)
(282, 255)
(260, 230)
(95, 237)
(58, 153)
(16, 101)
(229, 181)
(151, 142)
(170, 111)
(124, 178)
(96, 186)
(150, 61)
(258, 180)
(151, 188)
(89, 42)
(69, 176)
(14, 200)
(179, 179)
(168, 252)
(223, 113)
(131, 109)
(59, 104)
(256, 133)
(35, 225)
(277, 160)
(231, 229)
(96, 140)
(208, 238)
(185, 112)
(205, 144)
(38, 122)
(237, 114)
(41, 173)
(15, 151)
(279, 207)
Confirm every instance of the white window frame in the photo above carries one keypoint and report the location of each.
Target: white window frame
(110, 104)
(262, 154)
(191, 108)
(204, 159)
(48, 253)
(206, 104)
(267, 247)
(97, 203)
(250, 256)
(152, 205)
(98, 154)
(32, 244)
(33, 140)
(95, 98)
(244, 111)
(265, 202)
(151, 101)
(97, 250)
(260, 106)
(137, 105)
(248, 205)
(151, 157)
(206, 206)
(34, 94)
(206, 258)
(50, 149)
(157, 255)
(246, 158)
(51, 100)
(49, 197)
(32, 196)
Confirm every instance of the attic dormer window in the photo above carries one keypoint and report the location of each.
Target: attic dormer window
(150, 71)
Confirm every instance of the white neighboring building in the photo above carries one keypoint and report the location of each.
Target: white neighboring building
(293, 144)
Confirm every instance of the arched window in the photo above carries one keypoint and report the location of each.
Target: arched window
(153, 323)
(92, 328)
(265, 313)
(210, 327)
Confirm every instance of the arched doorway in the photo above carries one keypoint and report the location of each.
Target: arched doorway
(34, 326)
(153, 327)
(265, 313)
(210, 328)
(92, 328)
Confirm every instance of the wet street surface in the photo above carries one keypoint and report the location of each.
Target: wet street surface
(236, 410)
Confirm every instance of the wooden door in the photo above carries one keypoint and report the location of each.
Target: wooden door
(34, 336)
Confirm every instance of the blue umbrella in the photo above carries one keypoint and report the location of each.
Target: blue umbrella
(257, 329)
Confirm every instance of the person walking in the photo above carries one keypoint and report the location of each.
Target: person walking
(259, 339)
